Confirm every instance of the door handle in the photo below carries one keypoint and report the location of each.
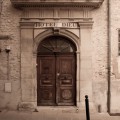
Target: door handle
(58, 74)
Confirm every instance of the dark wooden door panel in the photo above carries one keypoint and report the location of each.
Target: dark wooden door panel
(46, 80)
(46, 96)
(66, 96)
(56, 80)
(66, 80)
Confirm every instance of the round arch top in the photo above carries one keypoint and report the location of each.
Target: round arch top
(56, 44)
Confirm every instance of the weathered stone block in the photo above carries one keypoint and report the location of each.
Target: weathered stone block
(26, 106)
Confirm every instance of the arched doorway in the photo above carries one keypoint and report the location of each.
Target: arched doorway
(56, 72)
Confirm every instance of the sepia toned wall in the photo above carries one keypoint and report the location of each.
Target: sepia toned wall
(10, 36)
(14, 75)
(115, 58)
(99, 58)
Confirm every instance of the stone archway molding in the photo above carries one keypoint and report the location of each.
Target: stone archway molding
(71, 36)
(60, 32)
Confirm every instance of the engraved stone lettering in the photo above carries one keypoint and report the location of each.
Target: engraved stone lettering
(55, 24)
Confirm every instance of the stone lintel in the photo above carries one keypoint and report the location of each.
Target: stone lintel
(85, 24)
(57, 25)
(27, 24)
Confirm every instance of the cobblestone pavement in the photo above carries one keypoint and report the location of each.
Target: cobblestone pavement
(53, 115)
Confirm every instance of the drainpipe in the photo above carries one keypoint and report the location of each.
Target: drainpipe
(0, 18)
(0, 11)
(1, 6)
(109, 56)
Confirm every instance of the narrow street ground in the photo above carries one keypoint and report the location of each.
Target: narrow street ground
(53, 115)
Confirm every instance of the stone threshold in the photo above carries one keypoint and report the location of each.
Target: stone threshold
(63, 109)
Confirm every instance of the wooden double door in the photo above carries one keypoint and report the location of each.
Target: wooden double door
(56, 84)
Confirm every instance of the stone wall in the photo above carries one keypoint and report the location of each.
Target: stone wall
(9, 62)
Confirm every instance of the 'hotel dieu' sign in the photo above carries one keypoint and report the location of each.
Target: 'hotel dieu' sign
(56, 24)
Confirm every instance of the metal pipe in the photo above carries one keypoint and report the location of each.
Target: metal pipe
(109, 56)
(87, 108)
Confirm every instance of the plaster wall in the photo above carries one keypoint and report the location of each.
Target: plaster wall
(115, 58)
(100, 57)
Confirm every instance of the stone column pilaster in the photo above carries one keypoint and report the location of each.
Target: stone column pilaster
(86, 73)
(27, 66)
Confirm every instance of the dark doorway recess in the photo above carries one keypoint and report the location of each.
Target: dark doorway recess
(56, 72)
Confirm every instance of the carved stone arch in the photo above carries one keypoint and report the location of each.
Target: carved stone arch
(65, 33)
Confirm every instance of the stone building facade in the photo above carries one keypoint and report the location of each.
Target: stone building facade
(86, 62)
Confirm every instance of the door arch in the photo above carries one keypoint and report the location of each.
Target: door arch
(56, 72)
